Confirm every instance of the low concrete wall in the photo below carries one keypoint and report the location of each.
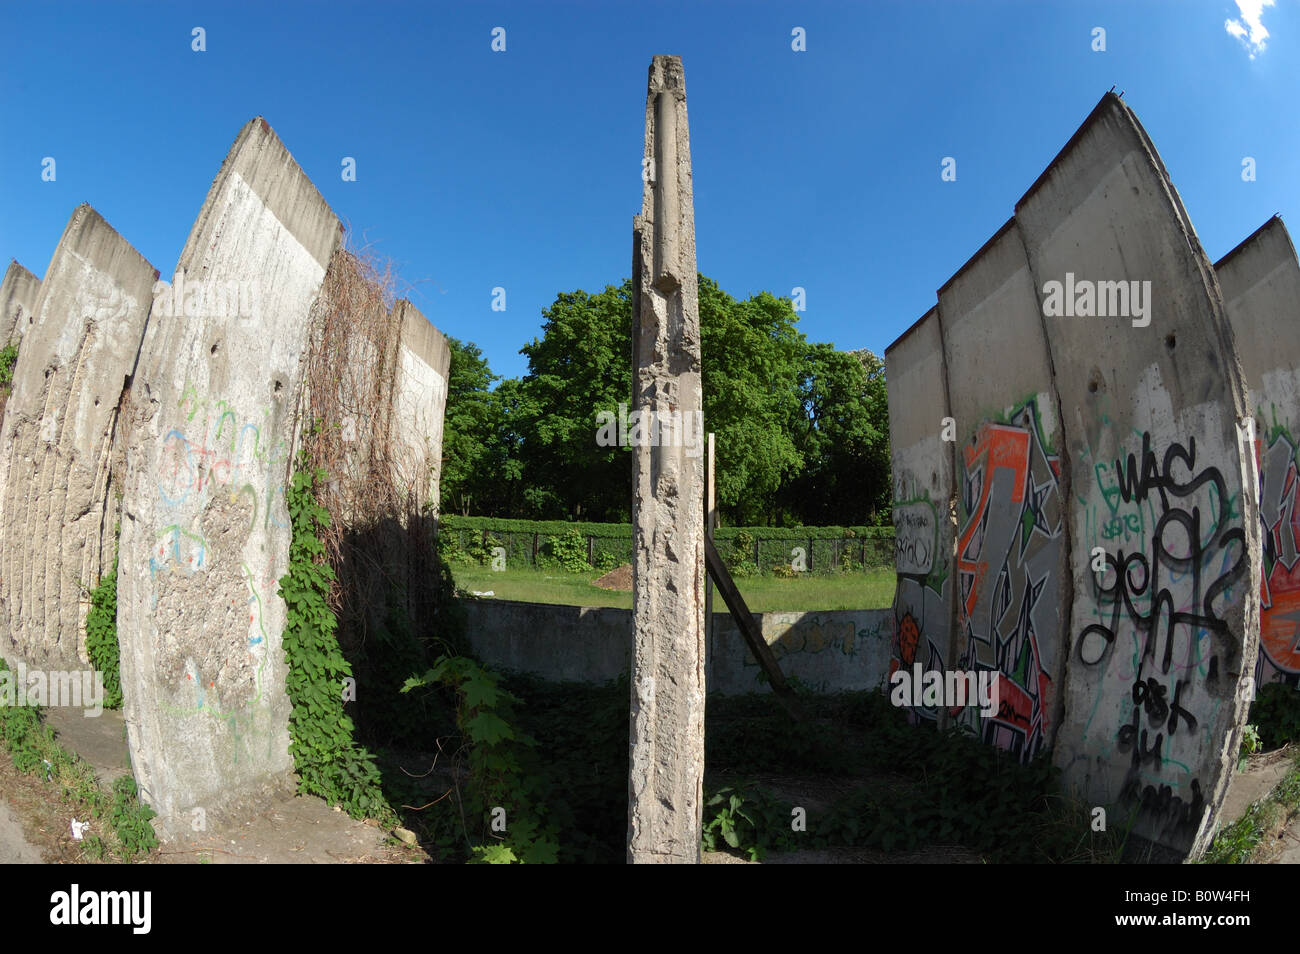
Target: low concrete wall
(827, 650)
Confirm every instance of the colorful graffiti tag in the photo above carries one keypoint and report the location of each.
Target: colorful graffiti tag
(921, 597)
(215, 470)
(1279, 512)
(1008, 563)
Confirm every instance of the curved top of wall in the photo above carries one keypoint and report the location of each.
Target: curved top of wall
(423, 339)
(262, 161)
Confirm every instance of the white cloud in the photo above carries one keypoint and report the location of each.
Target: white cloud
(1250, 29)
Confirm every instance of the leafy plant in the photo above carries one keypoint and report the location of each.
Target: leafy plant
(503, 784)
(35, 751)
(8, 358)
(473, 552)
(1250, 744)
(567, 552)
(101, 637)
(326, 755)
(130, 819)
(1276, 712)
(740, 561)
(1235, 844)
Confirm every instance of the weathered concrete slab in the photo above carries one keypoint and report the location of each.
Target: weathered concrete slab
(1012, 571)
(667, 728)
(205, 532)
(1260, 279)
(59, 507)
(419, 400)
(1151, 397)
(916, 378)
(18, 294)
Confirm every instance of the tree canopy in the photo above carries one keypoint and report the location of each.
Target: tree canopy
(801, 430)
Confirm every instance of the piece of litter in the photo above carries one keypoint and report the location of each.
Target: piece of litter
(78, 828)
(477, 593)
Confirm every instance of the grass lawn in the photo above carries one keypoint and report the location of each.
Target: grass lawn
(873, 589)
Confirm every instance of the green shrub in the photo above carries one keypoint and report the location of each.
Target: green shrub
(505, 791)
(101, 637)
(1276, 712)
(566, 552)
(8, 358)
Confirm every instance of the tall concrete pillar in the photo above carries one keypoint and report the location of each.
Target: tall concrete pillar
(665, 787)
(18, 294)
(59, 507)
(205, 529)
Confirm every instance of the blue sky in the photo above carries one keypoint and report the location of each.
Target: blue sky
(521, 169)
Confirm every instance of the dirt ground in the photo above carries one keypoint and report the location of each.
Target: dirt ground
(36, 825)
(619, 578)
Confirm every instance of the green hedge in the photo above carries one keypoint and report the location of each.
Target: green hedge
(826, 548)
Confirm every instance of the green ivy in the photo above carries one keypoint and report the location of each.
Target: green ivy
(8, 358)
(101, 637)
(326, 755)
(505, 789)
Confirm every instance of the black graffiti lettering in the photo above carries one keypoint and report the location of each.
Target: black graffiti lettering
(1141, 752)
(1137, 581)
(1007, 713)
(1176, 710)
(1132, 487)
(1163, 804)
(1151, 695)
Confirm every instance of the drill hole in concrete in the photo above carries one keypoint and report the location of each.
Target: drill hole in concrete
(1171, 341)
(1092, 386)
(213, 350)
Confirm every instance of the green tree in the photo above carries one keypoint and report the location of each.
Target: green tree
(842, 433)
(580, 366)
(472, 411)
(751, 352)
(481, 469)
(801, 429)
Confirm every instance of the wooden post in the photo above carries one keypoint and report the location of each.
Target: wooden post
(750, 629)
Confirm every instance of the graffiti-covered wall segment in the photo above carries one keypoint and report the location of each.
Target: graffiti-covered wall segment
(1261, 290)
(205, 531)
(1106, 553)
